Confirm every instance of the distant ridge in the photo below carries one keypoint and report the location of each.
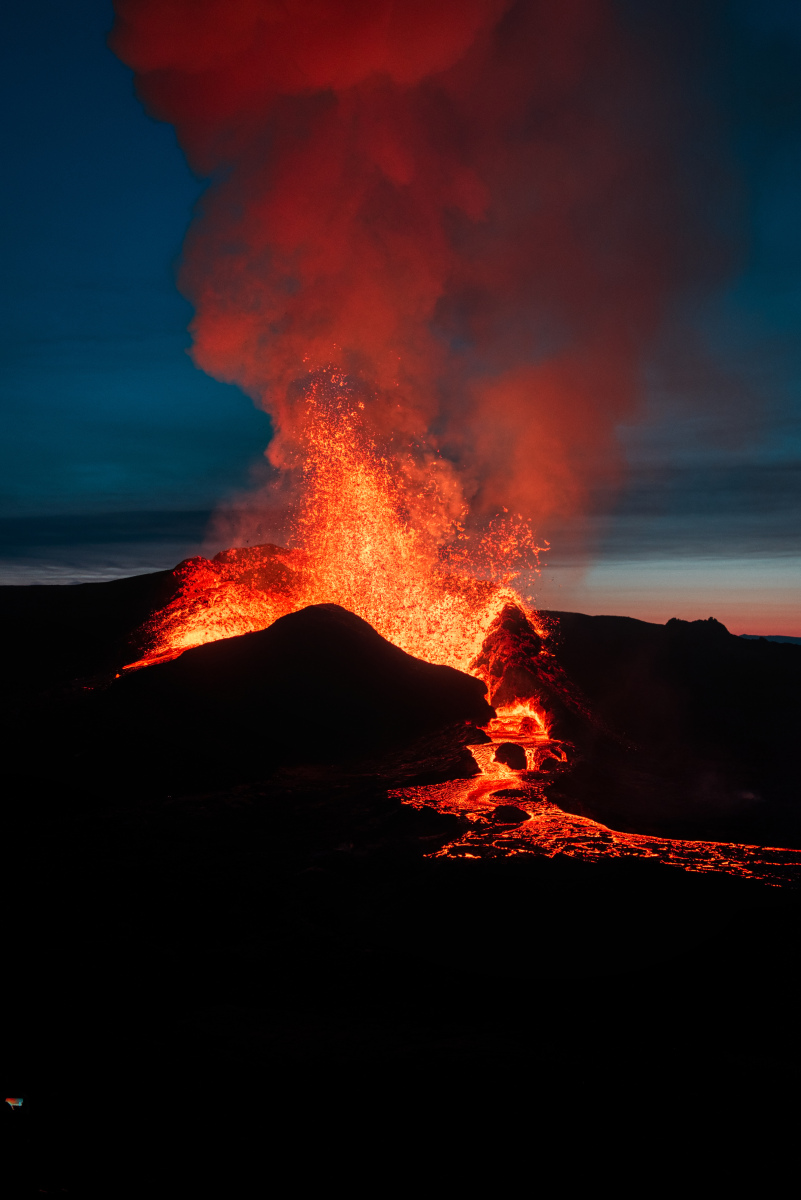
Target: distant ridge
(771, 637)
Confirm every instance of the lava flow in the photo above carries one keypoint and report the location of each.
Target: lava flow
(510, 814)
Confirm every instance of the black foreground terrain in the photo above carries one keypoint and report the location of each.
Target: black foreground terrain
(708, 727)
(199, 979)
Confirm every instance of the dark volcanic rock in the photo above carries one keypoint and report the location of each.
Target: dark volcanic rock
(508, 814)
(512, 755)
(706, 728)
(319, 685)
(56, 633)
(439, 756)
(550, 764)
(478, 737)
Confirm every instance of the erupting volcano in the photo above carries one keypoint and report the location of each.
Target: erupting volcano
(398, 259)
(374, 532)
(435, 248)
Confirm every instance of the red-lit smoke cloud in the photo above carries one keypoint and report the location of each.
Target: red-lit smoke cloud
(471, 204)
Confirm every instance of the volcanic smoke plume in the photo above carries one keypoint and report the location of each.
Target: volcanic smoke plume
(471, 206)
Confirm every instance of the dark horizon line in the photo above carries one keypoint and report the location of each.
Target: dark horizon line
(626, 540)
(127, 525)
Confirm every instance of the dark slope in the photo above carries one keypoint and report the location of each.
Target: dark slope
(708, 725)
(319, 685)
(201, 980)
(54, 633)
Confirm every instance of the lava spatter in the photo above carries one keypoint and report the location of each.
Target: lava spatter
(378, 533)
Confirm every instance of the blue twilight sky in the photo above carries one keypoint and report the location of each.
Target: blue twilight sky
(115, 448)
(102, 409)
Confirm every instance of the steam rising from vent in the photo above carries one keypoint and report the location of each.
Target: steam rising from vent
(470, 205)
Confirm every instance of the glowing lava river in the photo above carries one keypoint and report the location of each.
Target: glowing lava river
(510, 814)
(540, 827)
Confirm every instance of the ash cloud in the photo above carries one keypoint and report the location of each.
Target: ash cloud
(479, 207)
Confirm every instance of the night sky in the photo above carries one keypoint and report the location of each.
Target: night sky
(116, 448)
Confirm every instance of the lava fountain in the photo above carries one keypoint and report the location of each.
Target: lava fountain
(377, 531)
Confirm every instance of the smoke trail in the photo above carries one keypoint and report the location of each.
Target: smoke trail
(471, 205)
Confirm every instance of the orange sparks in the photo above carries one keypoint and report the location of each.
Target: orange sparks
(381, 534)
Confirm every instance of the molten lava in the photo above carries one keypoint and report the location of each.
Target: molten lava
(509, 813)
(238, 591)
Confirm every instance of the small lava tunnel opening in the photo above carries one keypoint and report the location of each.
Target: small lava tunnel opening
(511, 755)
